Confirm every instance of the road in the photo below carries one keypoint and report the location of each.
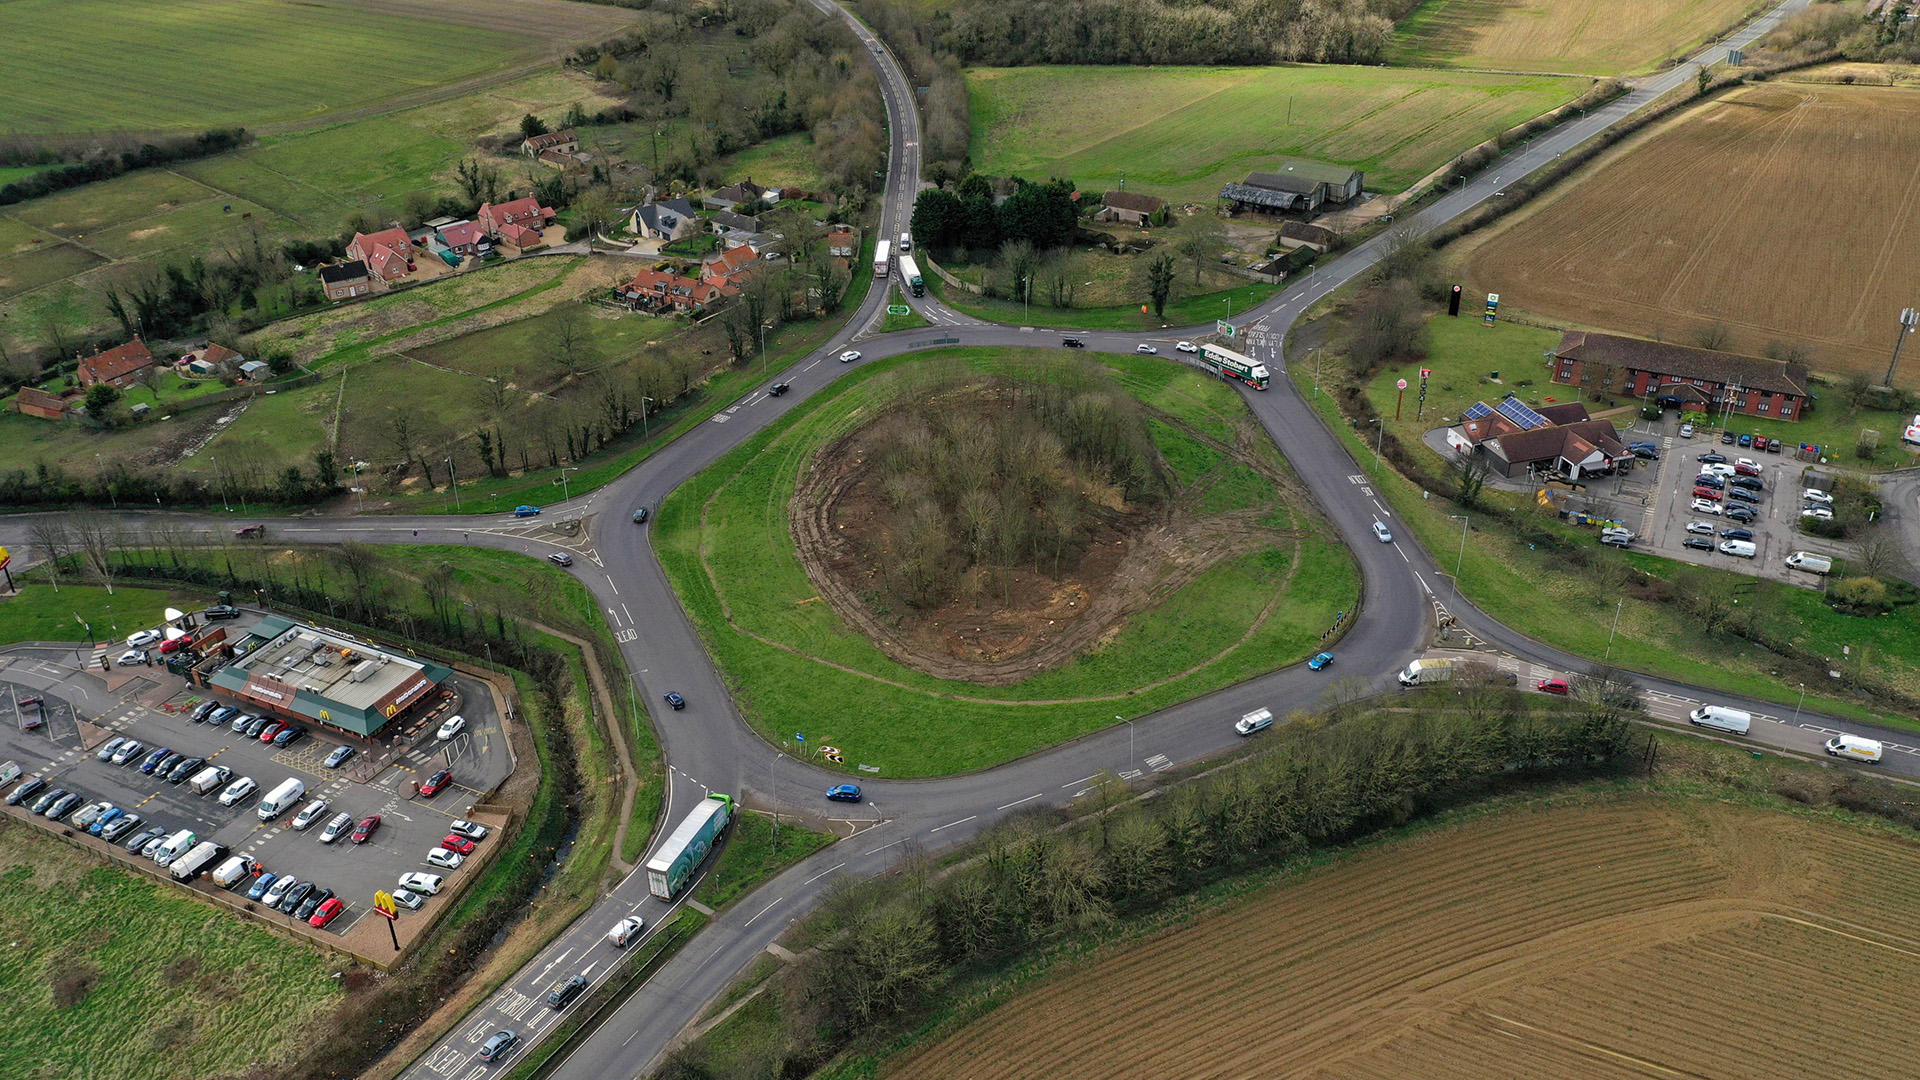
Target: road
(709, 747)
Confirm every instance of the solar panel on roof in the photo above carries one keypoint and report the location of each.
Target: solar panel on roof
(1517, 411)
(1479, 410)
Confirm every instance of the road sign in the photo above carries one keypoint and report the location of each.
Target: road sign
(1426, 373)
(383, 903)
(831, 753)
(1224, 328)
(899, 309)
(1400, 384)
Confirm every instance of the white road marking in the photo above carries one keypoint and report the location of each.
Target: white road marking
(951, 824)
(1017, 802)
(762, 911)
(616, 588)
(823, 873)
(1082, 780)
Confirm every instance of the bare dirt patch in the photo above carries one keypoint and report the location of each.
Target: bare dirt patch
(1004, 623)
(1652, 937)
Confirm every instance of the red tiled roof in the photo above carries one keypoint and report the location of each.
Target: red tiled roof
(115, 362)
(460, 234)
(551, 138)
(733, 262)
(521, 237)
(517, 211)
(218, 354)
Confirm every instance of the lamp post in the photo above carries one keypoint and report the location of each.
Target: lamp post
(111, 494)
(1378, 442)
(223, 483)
(644, 400)
(1803, 701)
(566, 493)
(1616, 628)
(453, 481)
(764, 327)
(1131, 756)
(1461, 558)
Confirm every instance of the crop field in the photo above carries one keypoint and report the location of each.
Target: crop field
(1707, 222)
(1583, 37)
(109, 974)
(1182, 132)
(208, 63)
(727, 545)
(1644, 937)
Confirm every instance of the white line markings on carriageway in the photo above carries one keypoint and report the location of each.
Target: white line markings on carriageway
(822, 874)
(762, 911)
(951, 824)
(1017, 802)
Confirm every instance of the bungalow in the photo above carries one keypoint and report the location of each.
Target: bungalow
(744, 195)
(343, 281)
(465, 238)
(843, 244)
(671, 220)
(660, 290)
(565, 142)
(1681, 375)
(33, 401)
(1554, 440)
(726, 270)
(388, 254)
(122, 366)
(1128, 207)
(734, 229)
(521, 216)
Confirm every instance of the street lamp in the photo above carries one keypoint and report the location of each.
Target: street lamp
(1460, 558)
(644, 399)
(764, 327)
(1615, 630)
(1803, 701)
(223, 483)
(1378, 443)
(453, 481)
(566, 493)
(1131, 756)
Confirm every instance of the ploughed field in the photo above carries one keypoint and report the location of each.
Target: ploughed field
(1648, 937)
(1710, 220)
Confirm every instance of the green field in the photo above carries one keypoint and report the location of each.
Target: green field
(794, 665)
(196, 64)
(109, 974)
(1574, 36)
(1182, 132)
(39, 613)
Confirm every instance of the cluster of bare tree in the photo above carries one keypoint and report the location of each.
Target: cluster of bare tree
(1005, 472)
(231, 479)
(876, 953)
(946, 121)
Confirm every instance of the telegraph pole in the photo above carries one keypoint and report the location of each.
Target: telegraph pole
(1909, 318)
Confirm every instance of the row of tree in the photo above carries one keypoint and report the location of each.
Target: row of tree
(1042, 215)
(102, 166)
(880, 953)
(231, 480)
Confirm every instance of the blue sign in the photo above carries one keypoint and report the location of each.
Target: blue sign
(797, 737)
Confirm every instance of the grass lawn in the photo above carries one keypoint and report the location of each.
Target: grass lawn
(43, 265)
(41, 614)
(785, 161)
(753, 854)
(208, 63)
(1182, 132)
(1536, 594)
(723, 539)
(1575, 36)
(190, 991)
(1182, 311)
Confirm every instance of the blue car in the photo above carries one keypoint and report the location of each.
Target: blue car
(154, 759)
(525, 511)
(844, 793)
(112, 815)
(1320, 661)
(262, 884)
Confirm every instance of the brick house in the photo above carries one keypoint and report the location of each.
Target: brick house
(1681, 375)
(464, 237)
(122, 366)
(342, 281)
(1553, 440)
(843, 244)
(660, 290)
(565, 142)
(388, 254)
(726, 270)
(744, 195)
(1128, 207)
(33, 401)
(517, 222)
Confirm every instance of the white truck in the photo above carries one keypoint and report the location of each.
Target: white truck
(882, 257)
(281, 799)
(1426, 672)
(203, 857)
(1810, 562)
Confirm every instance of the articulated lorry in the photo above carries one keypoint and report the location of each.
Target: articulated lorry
(1233, 365)
(672, 866)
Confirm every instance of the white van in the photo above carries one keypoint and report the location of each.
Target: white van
(1713, 716)
(229, 872)
(177, 845)
(1422, 672)
(209, 778)
(1811, 563)
(1254, 721)
(195, 862)
(1742, 548)
(277, 801)
(1855, 748)
(906, 242)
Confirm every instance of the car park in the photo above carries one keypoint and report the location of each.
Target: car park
(339, 756)
(64, 805)
(498, 1044)
(1320, 660)
(296, 896)
(408, 899)
(336, 827)
(444, 859)
(560, 558)
(1697, 543)
(238, 790)
(309, 814)
(107, 748)
(433, 784)
(844, 793)
(1146, 350)
(525, 511)
(25, 791)
(131, 657)
(459, 845)
(423, 883)
(625, 931)
(222, 611)
(674, 700)
(564, 992)
(469, 829)
(277, 892)
(311, 903)
(364, 831)
(1553, 686)
(261, 884)
(1382, 533)
(47, 799)
(185, 768)
(454, 725)
(328, 910)
(1187, 347)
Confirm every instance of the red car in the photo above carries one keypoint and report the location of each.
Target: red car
(432, 785)
(1705, 493)
(458, 844)
(267, 733)
(363, 832)
(325, 913)
(1553, 686)
(182, 642)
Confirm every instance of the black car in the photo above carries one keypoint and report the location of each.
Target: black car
(1713, 459)
(1751, 483)
(1736, 534)
(1743, 495)
(26, 791)
(675, 701)
(143, 838)
(1742, 514)
(314, 900)
(1648, 452)
(1727, 437)
(1710, 480)
(64, 805)
(1073, 343)
(1698, 543)
(203, 710)
(185, 769)
(48, 799)
(222, 611)
(295, 895)
(777, 389)
(290, 736)
(567, 991)
(640, 516)
(560, 558)
(259, 724)
(167, 763)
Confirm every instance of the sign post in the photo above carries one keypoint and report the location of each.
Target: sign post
(1493, 307)
(383, 904)
(1400, 385)
(1224, 328)
(1420, 407)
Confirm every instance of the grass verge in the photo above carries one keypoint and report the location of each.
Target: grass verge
(1184, 311)
(756, 851)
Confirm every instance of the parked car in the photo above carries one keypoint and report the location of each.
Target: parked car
(525, 511)
(1187, 347)
(1703, 506)
(64, 805)
(296, 896)
(1817, 513)
(330, 908)
(498, 1044)
(1742, 514)
(1745, 440)
(151, 849)
(454, 725)
(107, 748)
(1726, 438)
(311, 903)
(336, 827)
(1717, 468)
(131, 657)
(446, 860)
(1704, 527)
(1553, 686)
(242, 722)
(1706, 493)
(272, 729)
(339, 756)
(222, 611)
(154, 759)
(1774, 446)
(1649, 452)
(1748, 463)
(625, 931)
(565, 992)
(849, 356)
(140, 841)
(1698, 543)
(129, 750)
(674, 700)
(364, 831)
(1713, 457)
(278, 891)
(1737, 534)
(257, 725)
(203, 710)
(144, 638)
(844, 793)
(469, 829)
(26, 791)
(309, 814)
(238, 790)
(261, 884)
(436, 782)
(560, 558)
(1382, 533)
(459, 845)
(1707, 479)
(174, 645)
(86, 815)
(1815, 495)
(1146, 349)
(185, 768)
(1750, 483)
(289, 735)
(107, 816)
(121, 826)
(1320, 661)
(1743, 495)
(408, 899)
(425, 884)
(1686, 431)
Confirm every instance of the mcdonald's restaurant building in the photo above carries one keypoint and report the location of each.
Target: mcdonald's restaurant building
(300, 672)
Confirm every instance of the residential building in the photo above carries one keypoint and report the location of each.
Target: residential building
(217, 354)
(564, 142)
(122, 366)
(465, 238)
(1682, 376)
(843, 244)
(661, 290)
(671, 220)
(343, 281)
(744, 195)
(734, 229)
(33, 401)
(555, 159)
(1128, 207)
(727, 269)
(518, 222)
(388, 254)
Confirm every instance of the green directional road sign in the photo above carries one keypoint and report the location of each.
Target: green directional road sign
(1224, 328)
(899, 309)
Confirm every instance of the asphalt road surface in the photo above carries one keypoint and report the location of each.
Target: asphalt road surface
(708, 747)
